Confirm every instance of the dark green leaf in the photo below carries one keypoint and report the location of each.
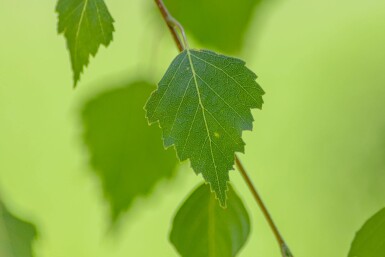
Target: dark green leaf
(86, 24)
(16, 236)
(370, 240)
(203, 104)
(126, 153)
(215, 23)
(203, 229)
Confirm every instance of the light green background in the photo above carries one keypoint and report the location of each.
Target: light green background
(317, 153)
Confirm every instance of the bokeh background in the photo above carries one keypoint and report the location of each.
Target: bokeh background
(317, 153)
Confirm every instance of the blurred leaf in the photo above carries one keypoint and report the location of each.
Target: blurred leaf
(202, 228)
(86, 24)
(203, 104)
(370, 240)
(125, 151)
(215, 23)
(16, 236)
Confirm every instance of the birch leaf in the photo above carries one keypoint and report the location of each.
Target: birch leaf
(126, 154)
(203, 103)
(86, 24)
(202, 228)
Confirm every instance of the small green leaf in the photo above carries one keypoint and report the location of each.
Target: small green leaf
(370, 240)
(203, 104)
(125, 152)
(16, 236)
(215, 23)
(86, 24)
(202, 228)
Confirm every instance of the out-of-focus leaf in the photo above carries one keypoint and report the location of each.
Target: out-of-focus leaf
(126, 153)
(202, 228)
(215, 23)
(370, 239)
(86, 24)
(203, 105)
(16, 236)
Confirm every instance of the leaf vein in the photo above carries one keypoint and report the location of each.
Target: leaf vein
(220, 97)
(228, 75)
(100, 21)
(168, 86)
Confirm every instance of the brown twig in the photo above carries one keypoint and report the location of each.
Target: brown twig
(172, 24)
(283, 246)
(167, 17)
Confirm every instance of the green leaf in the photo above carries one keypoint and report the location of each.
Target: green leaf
(215, 23)
(202, 228)
(86, 24)
(125, 152)
(16, 236)
(370, 240)
(203, 104)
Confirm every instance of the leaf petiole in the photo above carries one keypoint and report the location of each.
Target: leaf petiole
(173, 22)
(168, 18)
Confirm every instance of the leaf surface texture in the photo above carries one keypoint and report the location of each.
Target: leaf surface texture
(203, 104)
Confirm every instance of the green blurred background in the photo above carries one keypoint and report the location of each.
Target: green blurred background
(316, 153)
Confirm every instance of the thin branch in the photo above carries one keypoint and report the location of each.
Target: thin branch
(172, 23)
(167, 17)
(283, 246)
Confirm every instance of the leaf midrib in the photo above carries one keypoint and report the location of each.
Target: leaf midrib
(204, 119)
(211, 229)
(79, 26)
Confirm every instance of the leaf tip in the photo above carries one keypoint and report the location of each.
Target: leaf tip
(220, 194)
(75, 83)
